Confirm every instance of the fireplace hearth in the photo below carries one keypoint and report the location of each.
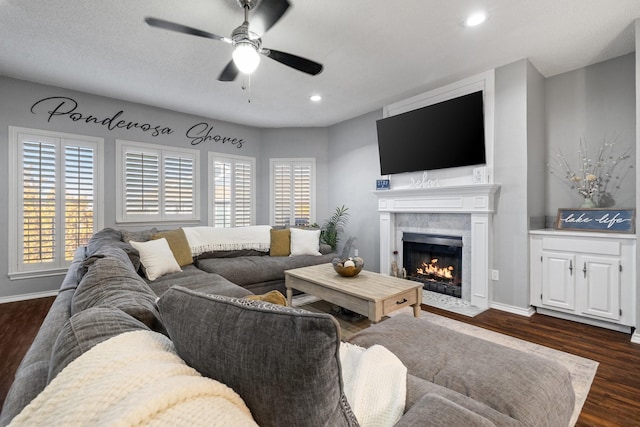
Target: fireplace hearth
(434, 260)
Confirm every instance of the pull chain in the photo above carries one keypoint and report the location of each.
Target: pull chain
(246, 84)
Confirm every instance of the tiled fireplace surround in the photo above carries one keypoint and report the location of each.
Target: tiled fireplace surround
(461, 210)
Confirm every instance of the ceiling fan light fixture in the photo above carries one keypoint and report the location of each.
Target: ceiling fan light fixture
(246, 57)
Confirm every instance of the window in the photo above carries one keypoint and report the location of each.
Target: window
(292, 191)
(56, 190)
(156, 183)
(232, 185)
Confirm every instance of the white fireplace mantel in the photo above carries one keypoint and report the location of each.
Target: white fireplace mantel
(477, 200)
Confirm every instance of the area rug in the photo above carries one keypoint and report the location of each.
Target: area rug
(582, 370)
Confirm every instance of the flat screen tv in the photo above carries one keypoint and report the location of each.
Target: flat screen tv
(443, 135)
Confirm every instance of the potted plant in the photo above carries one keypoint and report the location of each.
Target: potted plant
(331, 229)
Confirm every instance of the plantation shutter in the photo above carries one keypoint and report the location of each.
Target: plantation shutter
(282, 175)
(222, 194)
(179, 184)
(302, 194)
(243, 186)
(155, 183)
(39, 201)
(79, 203)
(233, 190)
(142, 183)
(292, 192)
(55, 206)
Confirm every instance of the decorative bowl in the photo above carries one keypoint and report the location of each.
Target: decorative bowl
(348, 267)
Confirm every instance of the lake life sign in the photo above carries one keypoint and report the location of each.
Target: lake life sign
(607, 220)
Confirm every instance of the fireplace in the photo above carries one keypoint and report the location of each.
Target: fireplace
(434, 260)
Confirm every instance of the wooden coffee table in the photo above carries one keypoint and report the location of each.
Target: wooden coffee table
(370, 294)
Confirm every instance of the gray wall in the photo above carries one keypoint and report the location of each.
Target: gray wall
(16, 99)
(596, 103)
(354, 167)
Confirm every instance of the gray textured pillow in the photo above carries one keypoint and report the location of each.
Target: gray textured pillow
(112, 282)
(283, 362)
(86, 329)
(138, 236)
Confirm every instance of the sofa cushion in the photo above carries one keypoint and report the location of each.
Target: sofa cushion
(86, 329)
(193, 278)
(280, 242)
(178, 244)
(529, 388)
(109, 282)
(265, 352)
(138, 236)
(257, 269)
(436, 411)
(305, 242)
(156, 257)
(111, 238)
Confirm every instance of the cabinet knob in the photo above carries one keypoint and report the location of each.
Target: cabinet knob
(571, 267)
(584, 270)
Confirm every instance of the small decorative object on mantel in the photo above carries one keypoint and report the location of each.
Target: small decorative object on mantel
(382, 184)
(603, 220)
(424, 182)
(348, 267)
(598, 178)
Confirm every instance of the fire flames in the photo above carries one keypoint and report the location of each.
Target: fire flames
(434, 270)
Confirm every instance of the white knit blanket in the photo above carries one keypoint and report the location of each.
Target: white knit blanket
(134, 379)
(205, 239)
(375, 383)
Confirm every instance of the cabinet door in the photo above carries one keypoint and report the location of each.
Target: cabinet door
(601, 294)
(558, 280)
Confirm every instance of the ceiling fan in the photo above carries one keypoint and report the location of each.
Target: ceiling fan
(246, 39)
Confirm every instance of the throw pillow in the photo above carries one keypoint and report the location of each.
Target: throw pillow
(305, 242)
(280, 242)
(262, 351)
(274, 297)
(156, 258)
(178, 244)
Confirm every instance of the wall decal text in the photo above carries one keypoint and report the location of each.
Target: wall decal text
(61, 106)
(203, 132)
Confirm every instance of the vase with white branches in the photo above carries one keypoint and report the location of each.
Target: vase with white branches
(597, 176)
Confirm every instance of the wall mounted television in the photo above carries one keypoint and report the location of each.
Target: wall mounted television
(443, 135)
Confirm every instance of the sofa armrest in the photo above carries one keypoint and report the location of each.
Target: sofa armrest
(435, 410)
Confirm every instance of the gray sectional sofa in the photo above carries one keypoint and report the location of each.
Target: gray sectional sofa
(262, 350)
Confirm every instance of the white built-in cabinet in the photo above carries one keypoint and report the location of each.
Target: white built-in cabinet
(584, 276)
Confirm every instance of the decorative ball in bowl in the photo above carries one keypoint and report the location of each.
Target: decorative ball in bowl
(348, 267)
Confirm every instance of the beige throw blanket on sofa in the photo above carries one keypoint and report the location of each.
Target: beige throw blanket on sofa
(206, 239)
(375, 383)
(135, 378)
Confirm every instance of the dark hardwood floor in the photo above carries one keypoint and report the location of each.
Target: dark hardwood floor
(614, 398)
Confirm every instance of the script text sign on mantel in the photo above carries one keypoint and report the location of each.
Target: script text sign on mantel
(607, 220)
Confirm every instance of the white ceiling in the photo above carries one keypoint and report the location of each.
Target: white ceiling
(374, 51)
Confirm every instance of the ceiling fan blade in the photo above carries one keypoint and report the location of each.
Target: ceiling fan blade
(172, 26)
(293, 61)
(267, 14)
(229, 73)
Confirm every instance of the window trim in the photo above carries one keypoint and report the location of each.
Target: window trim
(161, 218)
(312, 203)
(212, 156)
(16, 269)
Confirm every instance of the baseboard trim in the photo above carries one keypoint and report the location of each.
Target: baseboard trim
(25, 297)
(635, 338)
(527, 312)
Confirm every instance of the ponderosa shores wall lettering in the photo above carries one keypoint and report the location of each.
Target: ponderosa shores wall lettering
(65, 107)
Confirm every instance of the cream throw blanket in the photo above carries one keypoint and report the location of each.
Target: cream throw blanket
(205, 239)
(375, 383)
(133, 379)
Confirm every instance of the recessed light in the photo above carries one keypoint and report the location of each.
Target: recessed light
(315, 98)
(475, 19)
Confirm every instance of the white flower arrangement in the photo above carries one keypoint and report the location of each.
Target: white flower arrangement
(598, 178)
